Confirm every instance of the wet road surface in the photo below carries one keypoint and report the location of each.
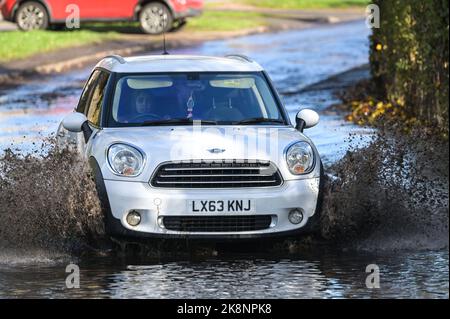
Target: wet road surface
(402, 275)
(294, 60)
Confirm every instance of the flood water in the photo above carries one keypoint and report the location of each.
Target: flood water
(294, 60)
(404, 275)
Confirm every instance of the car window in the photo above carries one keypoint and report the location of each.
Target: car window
(87, 92)
(96, 101)
(225, 98)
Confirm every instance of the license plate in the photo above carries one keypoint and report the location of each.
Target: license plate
(221, 206)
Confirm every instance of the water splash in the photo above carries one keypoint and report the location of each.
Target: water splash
(48, 201)
(392, 194)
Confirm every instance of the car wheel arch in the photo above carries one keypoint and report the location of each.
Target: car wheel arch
(113, 226)
(99, 185)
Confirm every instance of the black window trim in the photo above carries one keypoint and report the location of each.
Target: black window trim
(105, 99)
(276, 96)
(111, 90)
(107, 102)
(82, 92)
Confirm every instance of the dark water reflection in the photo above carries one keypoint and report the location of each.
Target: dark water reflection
(405, 275)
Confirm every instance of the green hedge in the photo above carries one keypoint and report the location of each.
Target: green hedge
(409, 58)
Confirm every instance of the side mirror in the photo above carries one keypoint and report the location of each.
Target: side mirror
(74, 122)
(306, 118)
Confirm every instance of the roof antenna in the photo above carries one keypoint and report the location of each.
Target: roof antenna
(164, 21)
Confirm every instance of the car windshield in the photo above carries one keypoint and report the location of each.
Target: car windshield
(212, 98)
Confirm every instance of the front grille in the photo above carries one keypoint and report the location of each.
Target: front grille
(217, 223)
(216, 174)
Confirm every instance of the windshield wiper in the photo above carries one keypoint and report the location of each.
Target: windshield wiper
(258, 120)
(180, 121)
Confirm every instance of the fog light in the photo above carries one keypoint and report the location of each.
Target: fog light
(133, 218)
(295, 216)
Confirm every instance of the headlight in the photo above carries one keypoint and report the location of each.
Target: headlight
(125, 160)
(300, 158)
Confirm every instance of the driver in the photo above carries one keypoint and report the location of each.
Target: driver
(144, 108)
(143, 104)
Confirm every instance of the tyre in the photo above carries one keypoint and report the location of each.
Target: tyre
(155, 18)
(32, 16)
(102, 196)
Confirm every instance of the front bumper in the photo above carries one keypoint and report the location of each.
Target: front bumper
(155, 203)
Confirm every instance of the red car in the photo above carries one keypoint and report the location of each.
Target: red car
(154, 16)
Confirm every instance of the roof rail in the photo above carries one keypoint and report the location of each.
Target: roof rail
(116, 57)
(240, 57)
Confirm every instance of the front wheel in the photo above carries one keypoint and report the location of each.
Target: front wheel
(32, 16)
(155, 18)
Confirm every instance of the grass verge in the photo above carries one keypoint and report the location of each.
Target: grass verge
(19, 45)
(305, 4)
(225, 21)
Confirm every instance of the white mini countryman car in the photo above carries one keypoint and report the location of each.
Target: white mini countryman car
(196, 147)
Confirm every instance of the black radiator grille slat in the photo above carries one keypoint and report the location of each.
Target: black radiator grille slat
(217, 223)
(217, 174)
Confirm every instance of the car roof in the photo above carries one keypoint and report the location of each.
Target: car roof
(178, 63)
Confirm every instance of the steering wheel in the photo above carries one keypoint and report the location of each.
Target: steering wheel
(147, 116)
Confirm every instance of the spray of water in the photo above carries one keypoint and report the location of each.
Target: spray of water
(47, 201)
(392, 194)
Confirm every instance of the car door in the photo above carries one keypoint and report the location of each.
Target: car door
(120, 9)
(88, 9)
